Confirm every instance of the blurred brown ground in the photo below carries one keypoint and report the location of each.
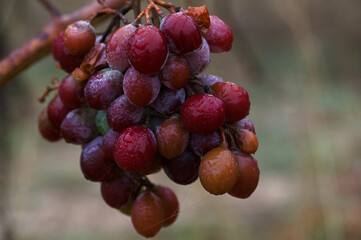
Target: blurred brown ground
(300, 61)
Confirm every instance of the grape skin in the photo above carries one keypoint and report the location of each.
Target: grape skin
(182, 32)
(78, 127)
(103, 88)
(93, 163)
(147, 50)
(140, 89)
(117, 48)
(122, 114)
(135, 148)
(199, 60)
(169, 101)
(71, 92)
(182, 169)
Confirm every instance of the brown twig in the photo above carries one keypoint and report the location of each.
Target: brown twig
(49, 90)
(38, 47)
(50, 7)
(115, 21)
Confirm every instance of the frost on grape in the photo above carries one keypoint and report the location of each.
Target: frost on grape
(199, 59)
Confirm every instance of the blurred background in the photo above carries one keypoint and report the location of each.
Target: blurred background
(299, 60)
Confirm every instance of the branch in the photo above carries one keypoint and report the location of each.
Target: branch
(51, 8)
(38, 47)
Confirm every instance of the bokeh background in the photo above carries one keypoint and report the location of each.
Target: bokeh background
(300, 61)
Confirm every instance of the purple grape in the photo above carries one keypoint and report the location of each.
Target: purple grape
(182, 169)
(93, 163)
(122, 114)
(118, 192)
(169, 101)
(199, 59)
(203, 143)
(103, 88)
(209, 79)
(78, 127)
(244, 123)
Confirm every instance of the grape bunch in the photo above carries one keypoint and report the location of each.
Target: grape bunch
(136, 103)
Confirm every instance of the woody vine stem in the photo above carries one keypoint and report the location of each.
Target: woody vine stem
(39, 46)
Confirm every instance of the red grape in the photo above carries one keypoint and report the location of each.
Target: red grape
(175, 73)
(172, 138)
(203, 113)
(71, 92)
(249, 176)
(154, 167)
(46, 128)
(236, 99)
(117, 47)
(67, 61)
(182, 32)
(135, 148)
(79, 37)
(140, 89)
(147, 50)
(57, 111)
(147, 214)
(219, 36)
(170, 203)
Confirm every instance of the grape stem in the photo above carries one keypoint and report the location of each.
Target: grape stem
(146, 13)
(231, 127)
(223, 136)
(197, 82)
(169, 6)
(230, 138)
(143, 181)
(49, 89)
(147, 183)
(115, 21)
(152, 6)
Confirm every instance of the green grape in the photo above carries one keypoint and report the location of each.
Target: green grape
(101, 122)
